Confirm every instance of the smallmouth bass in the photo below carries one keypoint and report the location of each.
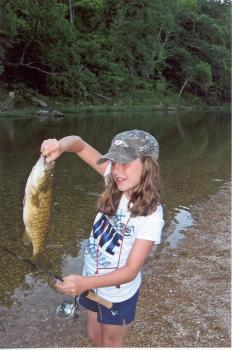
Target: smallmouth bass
(37, 209)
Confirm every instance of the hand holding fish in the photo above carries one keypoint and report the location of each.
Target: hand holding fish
(72, 285)
(51, 149)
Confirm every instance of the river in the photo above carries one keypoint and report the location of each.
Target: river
(194, 159)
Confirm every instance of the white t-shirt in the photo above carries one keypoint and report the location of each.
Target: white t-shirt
(106, 249)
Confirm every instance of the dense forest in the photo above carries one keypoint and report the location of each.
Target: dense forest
(107, 50)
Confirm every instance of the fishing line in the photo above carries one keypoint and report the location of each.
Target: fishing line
(66, 309)
(38, 267)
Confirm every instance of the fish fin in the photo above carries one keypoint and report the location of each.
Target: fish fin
(35, 200)
(41, 260)
(26, 237)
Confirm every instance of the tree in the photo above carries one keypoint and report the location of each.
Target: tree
(202, 45)
(104, 48)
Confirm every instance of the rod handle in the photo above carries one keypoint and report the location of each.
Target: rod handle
(92, 296)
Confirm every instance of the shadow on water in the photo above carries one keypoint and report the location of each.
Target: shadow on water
(194, 158)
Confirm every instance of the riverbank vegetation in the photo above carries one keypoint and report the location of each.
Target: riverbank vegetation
(125, 52)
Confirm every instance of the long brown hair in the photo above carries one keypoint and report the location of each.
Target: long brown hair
(144, 198)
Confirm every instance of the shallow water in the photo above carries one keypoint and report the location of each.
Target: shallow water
(194, 158)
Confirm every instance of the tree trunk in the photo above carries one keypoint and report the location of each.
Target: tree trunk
(70, 11)
(182, 88)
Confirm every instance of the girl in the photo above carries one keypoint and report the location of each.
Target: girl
(129, 222)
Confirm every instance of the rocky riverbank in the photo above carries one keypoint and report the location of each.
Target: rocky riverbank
(185, 297)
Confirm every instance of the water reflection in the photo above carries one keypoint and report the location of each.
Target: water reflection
(194, 157)
(181, 221)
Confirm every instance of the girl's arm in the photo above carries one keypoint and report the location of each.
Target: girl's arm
(76, 284)
(53, 148)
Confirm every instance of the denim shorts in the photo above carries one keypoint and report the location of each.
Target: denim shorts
(120, 313)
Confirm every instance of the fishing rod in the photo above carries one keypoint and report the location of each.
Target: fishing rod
(38, 267)
(66, 309)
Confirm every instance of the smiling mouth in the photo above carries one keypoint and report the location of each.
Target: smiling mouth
(119, 180)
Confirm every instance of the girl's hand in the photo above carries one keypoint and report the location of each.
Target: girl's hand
(51, 149)
(73, 285)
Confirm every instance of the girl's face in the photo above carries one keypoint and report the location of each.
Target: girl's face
(127, 176)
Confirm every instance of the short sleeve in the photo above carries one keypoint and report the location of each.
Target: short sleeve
(150, 227)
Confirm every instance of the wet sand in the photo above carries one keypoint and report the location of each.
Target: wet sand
(185, 295)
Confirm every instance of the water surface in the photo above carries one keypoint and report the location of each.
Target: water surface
(194, 158)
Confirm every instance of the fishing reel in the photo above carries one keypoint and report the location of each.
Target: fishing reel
(67, 310)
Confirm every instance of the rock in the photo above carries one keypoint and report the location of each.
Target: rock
(49, 113)
(8, 104)
(39, 101)
(172, 108)
(43, 112)
(57, 114)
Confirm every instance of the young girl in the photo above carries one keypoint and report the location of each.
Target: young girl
(129, 222)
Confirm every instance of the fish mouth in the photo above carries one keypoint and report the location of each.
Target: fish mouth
(47, 166)
(43, 158)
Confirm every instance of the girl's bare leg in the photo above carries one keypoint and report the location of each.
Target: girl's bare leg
(113, 335)
(94, 328)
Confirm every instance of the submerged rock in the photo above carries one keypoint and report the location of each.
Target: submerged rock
(49, 113)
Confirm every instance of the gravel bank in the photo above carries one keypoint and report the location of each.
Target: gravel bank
(185, 297)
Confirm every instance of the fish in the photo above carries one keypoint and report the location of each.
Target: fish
(37, 209)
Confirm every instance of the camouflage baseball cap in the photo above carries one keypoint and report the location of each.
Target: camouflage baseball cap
(129, 145)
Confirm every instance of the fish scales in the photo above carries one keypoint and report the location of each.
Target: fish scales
(37, 211)
(40, 220)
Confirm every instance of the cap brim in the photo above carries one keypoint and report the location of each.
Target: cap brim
(102, 160)
(116, 157)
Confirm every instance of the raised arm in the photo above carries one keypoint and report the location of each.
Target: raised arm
(53, 148)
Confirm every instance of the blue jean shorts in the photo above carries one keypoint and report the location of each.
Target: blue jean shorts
(120, 313)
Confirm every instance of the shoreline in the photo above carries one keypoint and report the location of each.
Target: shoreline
(28, 112)
(57, 110)
(185, 294)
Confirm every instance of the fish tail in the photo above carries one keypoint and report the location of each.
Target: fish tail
(41, 259)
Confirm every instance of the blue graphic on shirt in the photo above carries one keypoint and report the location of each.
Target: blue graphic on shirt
(107, 233)
(91, 251)
(120, 226)
(110, 233)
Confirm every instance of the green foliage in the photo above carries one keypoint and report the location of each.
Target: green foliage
(105, 49)
(203, 45)
(202, 77)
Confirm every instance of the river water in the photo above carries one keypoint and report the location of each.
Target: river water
(194, 158)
